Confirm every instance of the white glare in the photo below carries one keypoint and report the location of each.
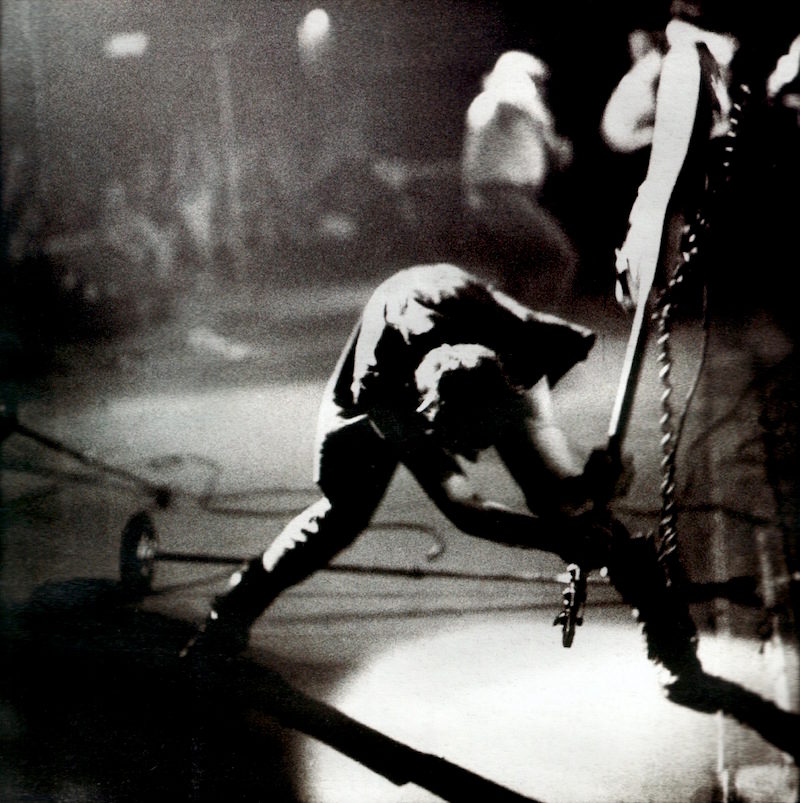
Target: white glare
(314, 29)
(506, 701)
(126, 44)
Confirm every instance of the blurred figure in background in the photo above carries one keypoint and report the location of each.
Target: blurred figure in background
(143, 249)
(195, 181)
(511, 151)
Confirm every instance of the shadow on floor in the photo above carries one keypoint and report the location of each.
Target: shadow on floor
(103, 709)
(95, 705)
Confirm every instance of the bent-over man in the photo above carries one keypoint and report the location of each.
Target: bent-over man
(440, 367)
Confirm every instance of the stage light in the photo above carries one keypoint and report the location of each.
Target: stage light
(314, 36)
(126, 45)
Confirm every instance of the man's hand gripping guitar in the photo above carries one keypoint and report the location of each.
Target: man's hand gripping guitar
(588, 543)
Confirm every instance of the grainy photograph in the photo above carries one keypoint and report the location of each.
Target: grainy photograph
(398, 401)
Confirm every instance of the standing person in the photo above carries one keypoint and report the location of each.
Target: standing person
(511, 151)
(440, 367)
(725, 154)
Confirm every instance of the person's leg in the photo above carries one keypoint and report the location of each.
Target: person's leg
(354, 469)
(533, 258)
(304, 546)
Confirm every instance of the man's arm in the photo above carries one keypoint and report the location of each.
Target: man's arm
(540, 458)
(444, 481)
(545, 434)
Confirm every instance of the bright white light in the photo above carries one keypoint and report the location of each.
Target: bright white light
(313, 30)
(505, 700)
(124, 45)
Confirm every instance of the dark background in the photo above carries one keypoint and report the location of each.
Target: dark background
(334, 169)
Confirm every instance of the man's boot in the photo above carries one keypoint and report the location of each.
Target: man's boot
(299, 551)
(226, 630)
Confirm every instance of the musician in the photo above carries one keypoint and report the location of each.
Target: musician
(440, 367)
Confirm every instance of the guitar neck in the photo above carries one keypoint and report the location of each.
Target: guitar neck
(626, 390)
